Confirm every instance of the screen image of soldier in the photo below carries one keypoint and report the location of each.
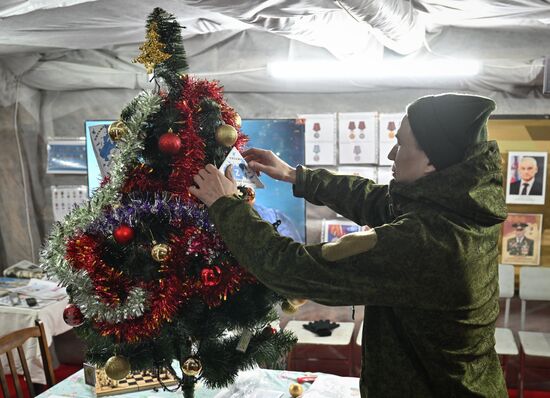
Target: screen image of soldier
(520, 245)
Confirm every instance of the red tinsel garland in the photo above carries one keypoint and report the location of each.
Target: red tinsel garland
(141, 179)
(166, 294)
(177, 281)
(109, 284)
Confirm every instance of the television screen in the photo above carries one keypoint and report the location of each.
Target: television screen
(285, 137)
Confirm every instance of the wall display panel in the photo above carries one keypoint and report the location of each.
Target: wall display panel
(66, 156)
(357, 138)
(65, 198)
(525, 133)
(320, 139)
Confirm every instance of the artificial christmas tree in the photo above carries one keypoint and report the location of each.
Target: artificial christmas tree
(149, 279)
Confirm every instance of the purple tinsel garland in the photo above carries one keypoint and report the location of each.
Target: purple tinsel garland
(174, 210)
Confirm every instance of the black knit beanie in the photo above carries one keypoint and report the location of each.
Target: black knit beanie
(446, 125)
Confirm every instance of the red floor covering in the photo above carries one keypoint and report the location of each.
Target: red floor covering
(529, 394)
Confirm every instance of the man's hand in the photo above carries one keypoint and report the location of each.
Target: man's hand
(267, 162)
(212, 184)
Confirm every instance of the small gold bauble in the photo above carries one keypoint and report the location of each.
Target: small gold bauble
(160, 252)
(117, 130)
(296, 390)
(117, 367)
(297, 302)
(288, 308)
(191, 367)
(226, 135)
(238, 119)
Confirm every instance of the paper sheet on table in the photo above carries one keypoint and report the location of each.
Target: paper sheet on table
(251, 384)
(41, 289)
(330, 386)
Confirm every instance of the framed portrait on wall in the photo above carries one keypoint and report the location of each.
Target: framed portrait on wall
(526, 178)
(521, 239)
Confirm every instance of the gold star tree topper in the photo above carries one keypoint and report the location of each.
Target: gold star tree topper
(151, 51)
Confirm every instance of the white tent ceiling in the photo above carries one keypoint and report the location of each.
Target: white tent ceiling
(86, 44)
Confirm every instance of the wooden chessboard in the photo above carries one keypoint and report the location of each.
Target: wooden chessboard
(138, 381)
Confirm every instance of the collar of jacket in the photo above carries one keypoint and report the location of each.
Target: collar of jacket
(472, 188)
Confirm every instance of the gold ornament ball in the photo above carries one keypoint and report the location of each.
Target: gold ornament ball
(238, 119)
(226, 135)
(160, 252)
(296, 390)
(117, 130)
(191, 367)
(117, 367)
(297, 302)
(288, 308)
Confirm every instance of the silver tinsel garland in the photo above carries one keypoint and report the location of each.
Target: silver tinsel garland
(52, 256)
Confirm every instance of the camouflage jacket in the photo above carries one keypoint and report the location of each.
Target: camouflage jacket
(426, 272)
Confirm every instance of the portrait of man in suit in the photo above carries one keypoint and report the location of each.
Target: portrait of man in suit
(528, 184)
(520, 245)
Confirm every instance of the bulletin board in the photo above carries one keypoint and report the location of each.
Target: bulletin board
(526, 134)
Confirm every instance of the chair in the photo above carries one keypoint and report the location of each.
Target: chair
(15, 341)
(505, 344)
(534, 284)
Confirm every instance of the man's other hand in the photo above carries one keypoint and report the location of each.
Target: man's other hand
(211, 184)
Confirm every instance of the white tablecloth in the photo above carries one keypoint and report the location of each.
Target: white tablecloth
(13, 318)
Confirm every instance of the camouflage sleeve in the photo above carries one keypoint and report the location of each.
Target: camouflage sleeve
(356, 198)
(358, 269)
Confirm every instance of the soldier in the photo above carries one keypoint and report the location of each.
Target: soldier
(426, 271)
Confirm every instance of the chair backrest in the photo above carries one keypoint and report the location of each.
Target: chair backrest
(506, 283)
(15, 341)
(534, 284)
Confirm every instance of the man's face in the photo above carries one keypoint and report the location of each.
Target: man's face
(520, 233)
(409, 161)
(527, 169)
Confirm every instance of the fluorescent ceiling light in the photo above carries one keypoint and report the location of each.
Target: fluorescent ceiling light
(337, 70)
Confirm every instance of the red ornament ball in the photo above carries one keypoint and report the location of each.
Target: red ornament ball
(123, 234)
(73, 316)
(169, 143)
(269, 331)
(211, 276)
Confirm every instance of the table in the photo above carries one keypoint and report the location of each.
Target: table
(13, 318)
(259, 380)
(331, 354)
(255, 383)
